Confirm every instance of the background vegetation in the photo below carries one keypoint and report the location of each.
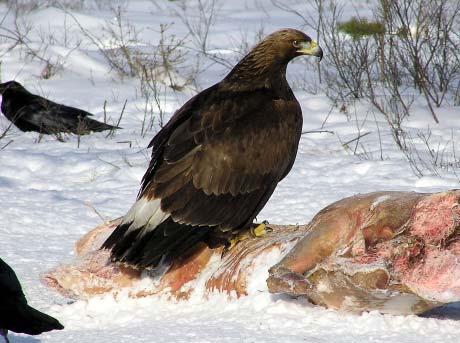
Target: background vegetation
(405, 55)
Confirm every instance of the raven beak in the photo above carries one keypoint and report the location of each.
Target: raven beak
(310, 48)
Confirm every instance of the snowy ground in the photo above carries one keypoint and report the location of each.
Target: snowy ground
(50, 190)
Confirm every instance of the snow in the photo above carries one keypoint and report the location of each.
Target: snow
(53, 192)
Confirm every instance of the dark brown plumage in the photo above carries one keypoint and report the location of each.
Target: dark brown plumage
(218, 160)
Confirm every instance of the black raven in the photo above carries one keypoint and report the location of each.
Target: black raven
(15, 314)
(31, 112)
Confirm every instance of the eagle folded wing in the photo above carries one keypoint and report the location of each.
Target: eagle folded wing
(224, 160)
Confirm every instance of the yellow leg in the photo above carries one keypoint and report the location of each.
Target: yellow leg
(260, 230)
(257, 231)
(238, 238)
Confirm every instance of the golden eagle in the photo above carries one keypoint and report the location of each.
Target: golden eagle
(31, 112)
(218, 160)
(15, 314)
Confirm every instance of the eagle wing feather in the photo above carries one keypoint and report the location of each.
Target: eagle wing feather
(220, 162)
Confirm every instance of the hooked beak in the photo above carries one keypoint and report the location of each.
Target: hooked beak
(310, 48)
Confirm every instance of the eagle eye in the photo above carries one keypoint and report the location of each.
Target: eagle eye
(295, 44)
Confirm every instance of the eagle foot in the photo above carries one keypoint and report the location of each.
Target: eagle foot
(258, 230)
(232, 242)
(261, 229)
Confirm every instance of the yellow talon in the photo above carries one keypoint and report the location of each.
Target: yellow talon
(238, 238)
(259, 230)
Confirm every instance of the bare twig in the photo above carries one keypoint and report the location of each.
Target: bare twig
(4, 146)
(356, 138)
(318, 131)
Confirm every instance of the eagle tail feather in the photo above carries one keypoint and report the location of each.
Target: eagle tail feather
(120, 239)
(147, 248)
